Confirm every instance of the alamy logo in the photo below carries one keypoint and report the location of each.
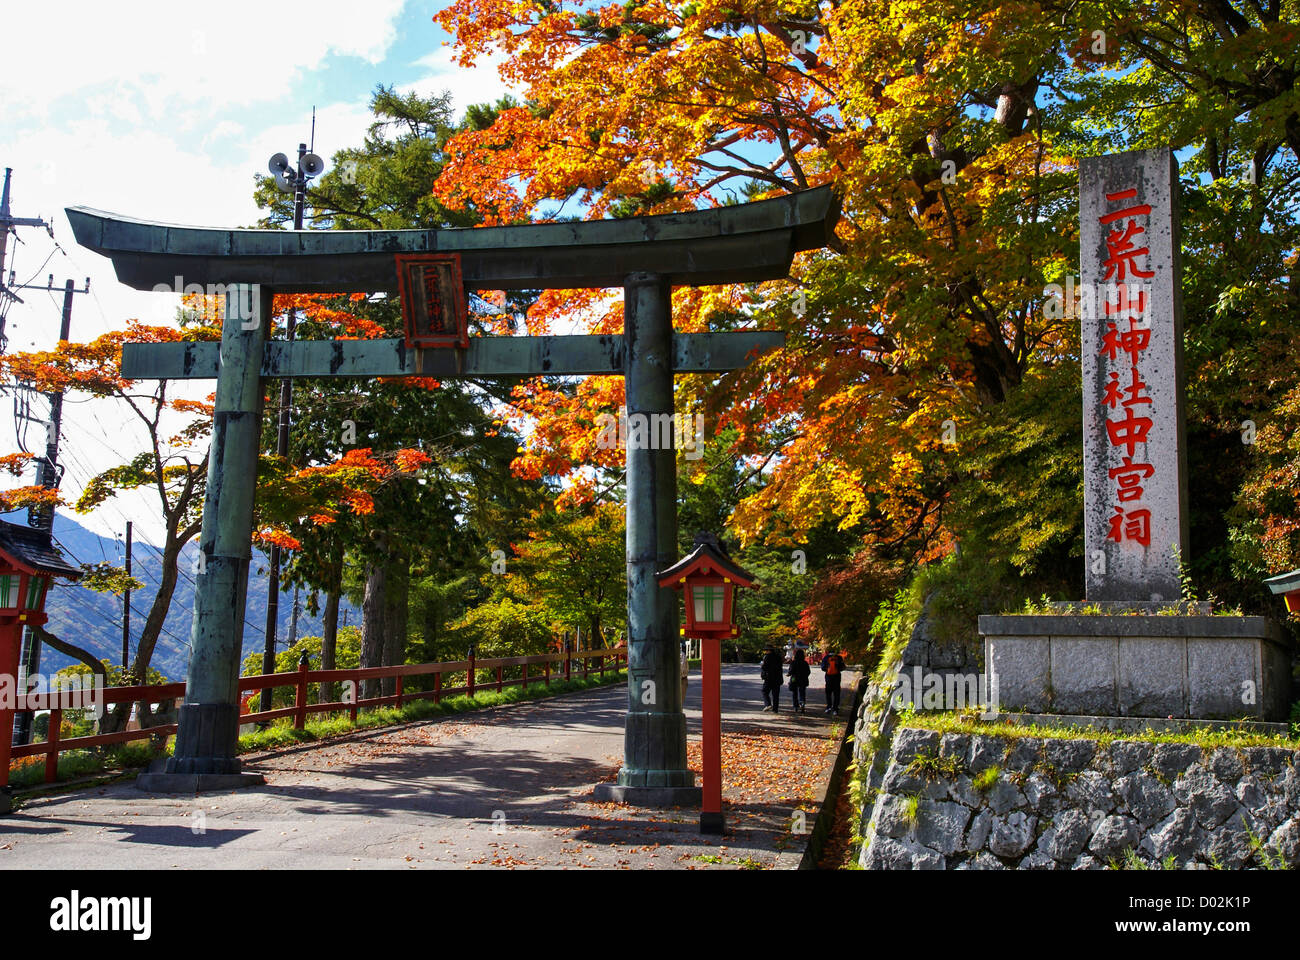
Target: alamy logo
(76, 692)
(928, 690)
(652, 431)
(240, 298)
(75, 913)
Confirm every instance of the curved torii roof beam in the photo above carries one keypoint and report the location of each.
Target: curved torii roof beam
(737, 244)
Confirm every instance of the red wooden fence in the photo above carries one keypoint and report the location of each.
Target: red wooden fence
(300, 679)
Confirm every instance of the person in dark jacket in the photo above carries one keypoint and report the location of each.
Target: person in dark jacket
(771, 674)
(833, 667)
(799, 671)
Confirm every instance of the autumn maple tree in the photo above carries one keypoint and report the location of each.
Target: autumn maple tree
(950, 133)
(171, 464)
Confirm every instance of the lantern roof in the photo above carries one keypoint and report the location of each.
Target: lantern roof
(708, 557)
(1284, 582)
(33, 551)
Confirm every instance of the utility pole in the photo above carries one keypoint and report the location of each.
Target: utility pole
(7, 223)
(293, 621)
(48, 472)
(48, 475)
(309, 165)
(126, 608)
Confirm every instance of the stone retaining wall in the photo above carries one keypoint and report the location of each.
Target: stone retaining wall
(1057, 804)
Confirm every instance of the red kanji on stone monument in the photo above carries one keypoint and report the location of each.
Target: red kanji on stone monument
(1132, 341)
(1129, 477)
(1134, 525)
(1137, 210)
(1115, 393)
(1126, 303)
(1123, 254)
(1130, 431)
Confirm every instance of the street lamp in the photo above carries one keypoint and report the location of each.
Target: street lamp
(709, 580)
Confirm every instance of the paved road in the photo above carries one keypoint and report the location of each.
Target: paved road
(503, 787)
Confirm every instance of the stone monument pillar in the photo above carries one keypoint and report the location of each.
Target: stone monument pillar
(1131, 342)
(1109, 664)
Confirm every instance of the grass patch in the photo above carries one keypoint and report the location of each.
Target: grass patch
(30, 771)
(932, 766)
(1210, 739)
(745, 863)
(912, 809)
(986, 779)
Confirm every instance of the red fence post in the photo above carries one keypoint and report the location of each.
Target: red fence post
(356, 695)
(548, 673)
(437, 687)
(52, 738)
(499, 680)
(471, 673)
(568, 661)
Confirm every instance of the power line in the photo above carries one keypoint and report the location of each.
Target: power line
(115, 622)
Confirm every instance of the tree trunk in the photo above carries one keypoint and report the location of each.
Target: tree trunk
(396, 616)
(329, 640)
(432, 620)
(372, 624)
(114, 721)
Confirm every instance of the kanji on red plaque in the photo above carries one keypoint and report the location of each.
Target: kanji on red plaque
(1130, 431)
(1134, 525)
(1132, 341)
(1123, 253)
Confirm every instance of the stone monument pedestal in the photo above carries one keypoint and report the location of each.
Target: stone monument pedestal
(1143, 665)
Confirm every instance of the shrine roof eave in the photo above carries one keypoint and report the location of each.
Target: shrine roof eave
(705, 555)
(737, 244)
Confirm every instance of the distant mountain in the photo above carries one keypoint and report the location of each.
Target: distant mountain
(94, 621)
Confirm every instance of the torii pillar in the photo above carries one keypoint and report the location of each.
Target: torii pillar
(655, 772)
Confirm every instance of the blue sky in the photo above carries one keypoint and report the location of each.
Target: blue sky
(166, 110)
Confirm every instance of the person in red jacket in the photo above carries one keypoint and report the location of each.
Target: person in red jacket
(833, 666)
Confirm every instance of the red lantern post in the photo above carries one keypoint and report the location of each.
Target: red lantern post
(709, 580)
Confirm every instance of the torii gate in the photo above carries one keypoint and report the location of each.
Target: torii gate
(644, 255)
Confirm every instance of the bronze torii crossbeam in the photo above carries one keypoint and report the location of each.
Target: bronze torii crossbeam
(646, 256)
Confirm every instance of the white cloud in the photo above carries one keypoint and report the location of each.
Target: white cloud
(481, 83)
(239, 52)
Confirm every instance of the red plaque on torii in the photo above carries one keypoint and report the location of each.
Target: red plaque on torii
(433, 300)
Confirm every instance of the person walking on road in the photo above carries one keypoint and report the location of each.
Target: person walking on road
(833, 666)
(799, 671)
(771, 674)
